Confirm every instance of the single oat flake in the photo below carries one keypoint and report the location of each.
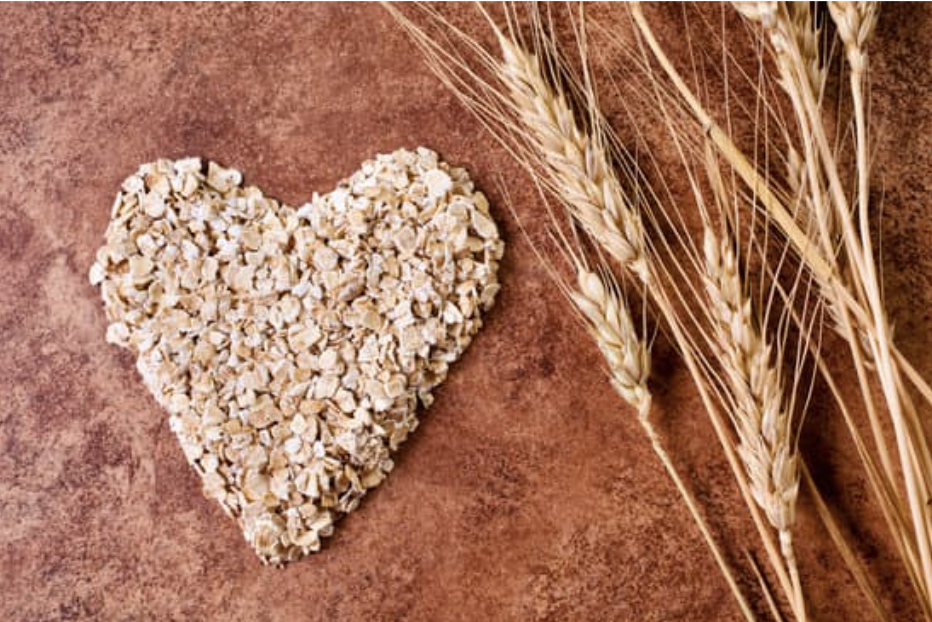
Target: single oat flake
(291, 347)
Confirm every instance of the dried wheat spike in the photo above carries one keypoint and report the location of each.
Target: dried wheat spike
(855, 22)
(577, 163)
(609, 321)
(794, 39)
(762, 417)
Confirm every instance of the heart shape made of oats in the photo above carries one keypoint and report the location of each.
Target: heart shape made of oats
(291, 347)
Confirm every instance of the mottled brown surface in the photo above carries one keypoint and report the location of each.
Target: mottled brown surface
(528, 493)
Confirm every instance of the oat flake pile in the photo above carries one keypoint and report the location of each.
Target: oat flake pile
(291, 347)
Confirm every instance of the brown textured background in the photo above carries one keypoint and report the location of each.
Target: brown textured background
(528, 493)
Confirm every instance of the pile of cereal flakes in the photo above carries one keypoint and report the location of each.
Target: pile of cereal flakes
(291, 347)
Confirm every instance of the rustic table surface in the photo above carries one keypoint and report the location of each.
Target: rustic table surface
(527, 494)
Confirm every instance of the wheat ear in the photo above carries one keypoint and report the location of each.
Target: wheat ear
(576, 161)
(762, 415)
(855, 23)
(609, 320)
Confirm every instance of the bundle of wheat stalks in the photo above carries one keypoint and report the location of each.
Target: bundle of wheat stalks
(764, 248)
